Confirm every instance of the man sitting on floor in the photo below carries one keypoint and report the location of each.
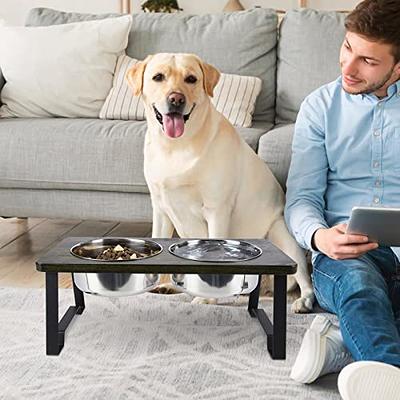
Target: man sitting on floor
(346, 152)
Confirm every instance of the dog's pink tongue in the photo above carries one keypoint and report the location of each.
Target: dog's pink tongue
(173, 124)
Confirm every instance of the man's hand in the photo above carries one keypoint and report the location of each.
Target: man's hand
(337, 244)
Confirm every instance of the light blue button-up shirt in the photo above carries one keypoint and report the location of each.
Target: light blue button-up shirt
(346, 153)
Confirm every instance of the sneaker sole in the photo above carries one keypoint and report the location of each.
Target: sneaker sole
(369, 380)
(313, 339)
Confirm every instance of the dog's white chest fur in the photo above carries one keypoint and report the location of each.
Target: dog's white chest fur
(168, 171)
(173, 184)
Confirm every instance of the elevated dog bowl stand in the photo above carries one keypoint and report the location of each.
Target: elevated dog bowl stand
(272, 261)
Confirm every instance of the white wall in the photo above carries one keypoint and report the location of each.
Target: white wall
(14, 11)
(206, 6)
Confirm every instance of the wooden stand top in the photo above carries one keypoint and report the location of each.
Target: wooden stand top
(271, 261)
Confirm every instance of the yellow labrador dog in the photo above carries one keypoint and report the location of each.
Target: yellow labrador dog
(204, 180)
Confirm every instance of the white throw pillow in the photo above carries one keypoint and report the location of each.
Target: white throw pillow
(234, 96)
(60, 70)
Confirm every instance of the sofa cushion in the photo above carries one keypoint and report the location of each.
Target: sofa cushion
(275, 148)
(63, 153)
(76, 204)
(213, 37)
(308, 57)
(252, 135)
(73, 63)
(78, 154)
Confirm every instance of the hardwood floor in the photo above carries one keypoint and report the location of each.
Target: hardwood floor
(23, 241)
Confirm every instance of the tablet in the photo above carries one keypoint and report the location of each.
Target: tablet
(380, 224)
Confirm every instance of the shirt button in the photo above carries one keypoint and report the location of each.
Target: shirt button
(377, 183)
(377, 133)
(376, 164)
(376, 200)
(379, 104)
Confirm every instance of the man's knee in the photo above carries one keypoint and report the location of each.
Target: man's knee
(361, 283)
(337, 281)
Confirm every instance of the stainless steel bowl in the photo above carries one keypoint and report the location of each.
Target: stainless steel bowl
(215, 250)
(216, 286)
(119, 283)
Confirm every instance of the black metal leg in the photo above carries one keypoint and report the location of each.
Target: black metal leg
(55, 331)
(279, 317)
(253, 298)
(52, 344)
(79, 299)
(276, 332)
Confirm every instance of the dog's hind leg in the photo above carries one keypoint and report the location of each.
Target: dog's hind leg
(280, 237)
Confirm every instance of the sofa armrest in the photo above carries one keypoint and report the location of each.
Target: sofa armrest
(2, 82)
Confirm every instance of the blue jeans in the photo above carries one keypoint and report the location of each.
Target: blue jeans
(364, 293)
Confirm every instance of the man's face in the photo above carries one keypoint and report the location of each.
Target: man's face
(367, 66)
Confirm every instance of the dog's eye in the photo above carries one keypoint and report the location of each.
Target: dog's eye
(191, 79)
(158, 77)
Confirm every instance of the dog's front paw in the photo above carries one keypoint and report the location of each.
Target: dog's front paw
(165, 288)
(204, 300)
(303, 304)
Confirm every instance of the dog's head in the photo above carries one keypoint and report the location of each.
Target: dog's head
(174, 86)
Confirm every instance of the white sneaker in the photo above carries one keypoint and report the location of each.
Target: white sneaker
(322, 352)
(369, 380)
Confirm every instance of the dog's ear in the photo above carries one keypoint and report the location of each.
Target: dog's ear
(135, 76)
(210, 77)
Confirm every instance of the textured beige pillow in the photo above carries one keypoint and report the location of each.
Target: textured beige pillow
(120, 102)
(60, 70)
(235, 97)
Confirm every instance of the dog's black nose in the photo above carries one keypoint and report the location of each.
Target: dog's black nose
(177, 100)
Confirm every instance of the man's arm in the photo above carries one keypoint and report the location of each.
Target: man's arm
(306, 186)
(307, 180)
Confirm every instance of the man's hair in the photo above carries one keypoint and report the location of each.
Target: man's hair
(378, 20)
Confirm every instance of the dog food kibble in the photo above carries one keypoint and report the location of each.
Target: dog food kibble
(119, 253)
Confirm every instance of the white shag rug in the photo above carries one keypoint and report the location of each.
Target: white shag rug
(148, 346)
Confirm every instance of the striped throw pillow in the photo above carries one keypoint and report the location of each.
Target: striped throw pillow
(234, 96)
(120, 102)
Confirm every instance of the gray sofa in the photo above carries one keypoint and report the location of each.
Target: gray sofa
(93, 169)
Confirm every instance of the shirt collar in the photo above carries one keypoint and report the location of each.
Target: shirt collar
(394, 89)
(397, 87)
